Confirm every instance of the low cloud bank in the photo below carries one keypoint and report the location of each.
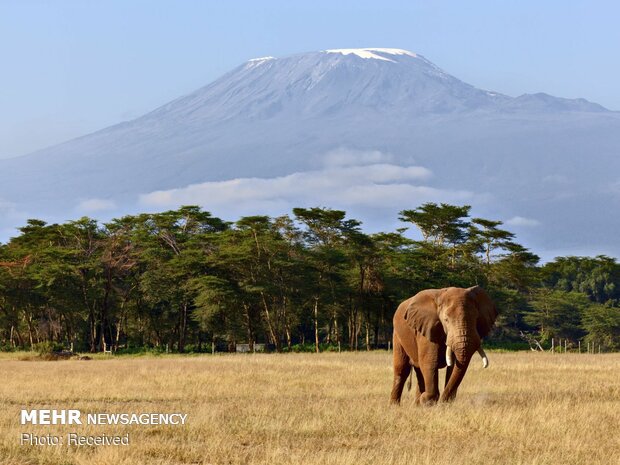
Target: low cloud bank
(347, 179)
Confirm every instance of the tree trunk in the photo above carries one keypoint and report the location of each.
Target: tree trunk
(182, 326)
(376, 335)
(29, 323)
(275, 336)
(316, 324)
(337, 332)
(287, 325)
(249, 327)
(289, 341)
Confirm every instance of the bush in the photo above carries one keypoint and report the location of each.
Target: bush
(7, 348)
(159, 350)
(47, 347)
(310, 347)
(507, 346)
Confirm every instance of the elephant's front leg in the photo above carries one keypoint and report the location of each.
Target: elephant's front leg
(429, 370)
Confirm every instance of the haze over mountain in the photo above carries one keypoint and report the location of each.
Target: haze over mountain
(371, 131)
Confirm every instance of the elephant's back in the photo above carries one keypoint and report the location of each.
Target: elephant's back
(399, 315)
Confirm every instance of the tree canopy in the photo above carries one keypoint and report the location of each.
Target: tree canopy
(184, 280)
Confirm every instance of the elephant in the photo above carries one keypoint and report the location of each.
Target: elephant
(439, 328)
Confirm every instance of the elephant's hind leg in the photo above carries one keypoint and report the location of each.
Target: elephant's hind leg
(402, 369)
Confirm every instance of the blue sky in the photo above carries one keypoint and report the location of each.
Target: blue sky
(72, 67)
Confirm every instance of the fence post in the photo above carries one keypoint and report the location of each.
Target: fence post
(579, 345)
(552, 345)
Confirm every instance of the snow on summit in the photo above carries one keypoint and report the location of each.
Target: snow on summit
(370, 52)
(262, 59)
(258, 61)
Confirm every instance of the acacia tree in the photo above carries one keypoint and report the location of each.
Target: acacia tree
(602, 325)
(19, 294)
(183, 276)
(260, 261)
(171, 249)
(444, 229)
(366, 285)
(490, 236)
(324, 235)
(119, 261)
(60, 289)
(597, 277)
(557, 313)
(442, 224)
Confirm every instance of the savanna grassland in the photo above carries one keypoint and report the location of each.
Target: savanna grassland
(526, 408)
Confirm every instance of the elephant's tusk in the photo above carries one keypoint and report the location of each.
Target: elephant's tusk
(485, 359)
(449, 356)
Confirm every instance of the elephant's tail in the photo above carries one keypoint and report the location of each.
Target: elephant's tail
(410, 380)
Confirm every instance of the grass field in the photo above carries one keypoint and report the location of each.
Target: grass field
(526, 408)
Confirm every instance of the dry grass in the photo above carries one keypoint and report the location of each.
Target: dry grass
(527, 408)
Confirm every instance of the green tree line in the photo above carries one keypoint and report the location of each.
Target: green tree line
(188, 281)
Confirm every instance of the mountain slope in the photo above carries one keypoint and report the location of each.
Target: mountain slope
(275, 116)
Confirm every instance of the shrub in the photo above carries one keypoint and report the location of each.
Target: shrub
(47, 347)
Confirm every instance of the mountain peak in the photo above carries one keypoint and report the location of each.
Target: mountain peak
(258, 138)
(372, 53)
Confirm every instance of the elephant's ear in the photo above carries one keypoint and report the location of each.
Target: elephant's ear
(487, 313)
(421, 315)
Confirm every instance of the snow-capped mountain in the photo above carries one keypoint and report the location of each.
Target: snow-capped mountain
(540, 161)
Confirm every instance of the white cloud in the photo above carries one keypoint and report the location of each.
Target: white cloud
(521, 221)
(360, 180)
(95, 205)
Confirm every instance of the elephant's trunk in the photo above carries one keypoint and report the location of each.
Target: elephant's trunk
(459, 351)
(461, 344)
(458, 372)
